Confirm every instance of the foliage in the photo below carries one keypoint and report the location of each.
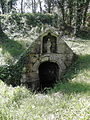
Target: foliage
(33, 19)
(12, 74)
(17, 25)
(72, 12)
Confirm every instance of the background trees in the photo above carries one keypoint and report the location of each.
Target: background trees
(7, 5)
(72, 13)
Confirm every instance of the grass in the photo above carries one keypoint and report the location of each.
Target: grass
(66, 101)
(11, 49)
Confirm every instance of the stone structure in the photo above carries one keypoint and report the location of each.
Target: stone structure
(48, 60)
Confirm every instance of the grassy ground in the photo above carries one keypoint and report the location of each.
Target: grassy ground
(9, 50)
(66, 101)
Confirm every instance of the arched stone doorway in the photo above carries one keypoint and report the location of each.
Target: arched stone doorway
(48, 74)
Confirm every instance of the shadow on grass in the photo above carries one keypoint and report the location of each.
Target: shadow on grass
(10, 45)
(72, 87)
(84, 34)
(81, 64)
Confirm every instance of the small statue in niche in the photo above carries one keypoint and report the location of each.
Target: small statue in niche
(48, 46)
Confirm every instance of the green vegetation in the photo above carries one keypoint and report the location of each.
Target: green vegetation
(11, 46)
(68, 100)
(23, 22)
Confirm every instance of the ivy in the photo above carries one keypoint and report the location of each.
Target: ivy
(12, 74)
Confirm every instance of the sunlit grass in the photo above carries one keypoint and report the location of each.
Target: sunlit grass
(79, 46)
(66, 101)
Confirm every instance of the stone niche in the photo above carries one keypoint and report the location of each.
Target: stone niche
(49, 43)
(48, 58)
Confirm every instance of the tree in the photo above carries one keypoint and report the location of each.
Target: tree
(3, 7)
(1, 31)
(74, 12)
(0, 28)
(22, 9)
(82, 8)
(34, 6)
(70, 5)
(49, 4)
(79, 15)
(40, 5)
(7, 5)
(86, 6)
(61, 5)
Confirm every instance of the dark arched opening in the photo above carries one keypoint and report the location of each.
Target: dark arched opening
(48, 74)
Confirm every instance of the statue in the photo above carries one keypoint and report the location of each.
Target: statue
(48, 46)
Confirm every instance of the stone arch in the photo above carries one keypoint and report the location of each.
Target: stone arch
(44, 59)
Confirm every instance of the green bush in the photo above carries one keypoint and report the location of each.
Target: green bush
(12, 74)
(31, 20)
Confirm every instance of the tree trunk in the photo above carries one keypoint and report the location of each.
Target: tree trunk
(48, 4)
(79, 16)
(10, 6)
(2, 7)
(0, 28)
(49, 7)
(40, 6)
(22, 6)
(1, 31)
(70, 6)
(85, 12)
(61, 5)
(34, 6)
